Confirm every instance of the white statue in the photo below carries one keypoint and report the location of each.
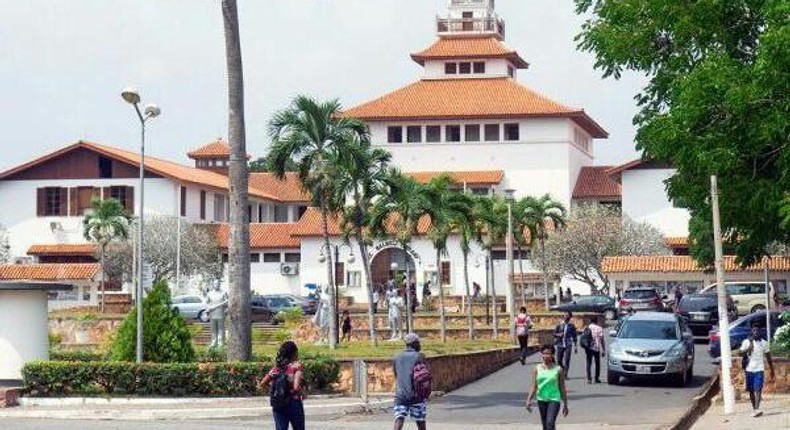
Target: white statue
(216, 305)
(322, 315)
(395, 315)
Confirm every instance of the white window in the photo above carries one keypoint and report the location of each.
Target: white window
(354, 278)
(219, 207)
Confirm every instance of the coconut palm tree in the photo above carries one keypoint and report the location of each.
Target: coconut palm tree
(364, 178)
(542, 214)
(240, 339)
(107, 221)
(464, 225)
(490, 214)
(522, 239)
(319, 140)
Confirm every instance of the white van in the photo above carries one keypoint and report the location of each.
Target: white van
(748, 296)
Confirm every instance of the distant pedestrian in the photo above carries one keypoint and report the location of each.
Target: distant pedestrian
(548, 386)
(414, 300)
(346, 326)
(426, 296)
(285, 388)
(475, 291)
(755, 351)
(408, 402)
(565, 340)
(678, 296)
(591, 340)
(568, 294)
(523, 324)
(375, 304)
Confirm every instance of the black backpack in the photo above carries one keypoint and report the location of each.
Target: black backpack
(585, 340)
(280, 390)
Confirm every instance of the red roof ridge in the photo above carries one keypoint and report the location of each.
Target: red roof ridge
(49, 271)
(472, 47)
(214, 148)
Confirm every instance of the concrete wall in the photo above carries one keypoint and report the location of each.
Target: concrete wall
(645, 199)
(27, 310)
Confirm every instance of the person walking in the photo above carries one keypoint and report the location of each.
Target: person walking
(564, 340)
(286, 396)
(755, 353)
(548, 386)
(591, 340)
(406, 404)
(523, 324)
(346, 326)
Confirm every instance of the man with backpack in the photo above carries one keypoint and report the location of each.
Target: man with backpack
(412, 384)
(591, 340)
(755, 353)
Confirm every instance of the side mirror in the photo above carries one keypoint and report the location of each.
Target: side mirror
(664, 297)
(612, 333)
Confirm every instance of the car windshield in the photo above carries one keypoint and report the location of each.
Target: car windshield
(704, 303)
(661, 330)
(639, 294)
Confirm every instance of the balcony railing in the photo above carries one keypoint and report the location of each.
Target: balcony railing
(460, 26)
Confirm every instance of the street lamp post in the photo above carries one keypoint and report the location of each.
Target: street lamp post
(335, 250)
(511, 300)
(131, 96)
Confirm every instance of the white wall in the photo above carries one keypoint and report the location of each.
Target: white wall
(495, 68)
(23, 336)
(645, 199)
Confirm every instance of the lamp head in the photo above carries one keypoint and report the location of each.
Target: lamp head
(509, 194)
(131, 95)
(321, 257)
(351, 259)
(152, 111)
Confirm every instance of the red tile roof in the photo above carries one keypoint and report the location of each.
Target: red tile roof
(594, 183)
(681, 264)
(262, 236)
(469, 48)
(483, 177)
(287, 190)
(459, 99)
(63, 249)
(311, 225)
(48, 272)
(217, 148)
(677, 242)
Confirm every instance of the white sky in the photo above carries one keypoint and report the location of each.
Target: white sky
(64, 63)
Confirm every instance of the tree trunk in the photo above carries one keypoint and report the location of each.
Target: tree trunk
(493, 297)
(103, 274)
(240, 339)
(521, 273)
(469, 307)
(544, 270)
(330, 275)
(442, 321)
(363, 253)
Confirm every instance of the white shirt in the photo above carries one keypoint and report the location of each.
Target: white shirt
(757, 358)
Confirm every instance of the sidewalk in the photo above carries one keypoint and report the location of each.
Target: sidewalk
(776, 415)
(140, 409)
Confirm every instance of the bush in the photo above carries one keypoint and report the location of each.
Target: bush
(167, 337)
(782, 335)
(48, 378)
(213, 354)
(76, 355)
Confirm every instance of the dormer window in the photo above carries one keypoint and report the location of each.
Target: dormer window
(480, 67)
(450, 68)
(465, 68)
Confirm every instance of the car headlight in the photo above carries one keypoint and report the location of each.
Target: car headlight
(677, 351)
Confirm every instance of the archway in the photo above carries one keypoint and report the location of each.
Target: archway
(381, 265)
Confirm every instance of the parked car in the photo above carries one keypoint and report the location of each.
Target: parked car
(741, 328)
(308, 305)
(278, 303)
(655, 345)
(748, 296)
(640, 299)
(596, 303)
(261, 312)
(701, 311)
(191, 306)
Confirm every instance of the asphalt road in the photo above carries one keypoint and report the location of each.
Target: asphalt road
(495, 402)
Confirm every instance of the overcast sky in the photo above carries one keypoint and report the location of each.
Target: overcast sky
(64, 63)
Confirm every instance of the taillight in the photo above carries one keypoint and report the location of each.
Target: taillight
(713, 336)
(656, 300)
(623, 303)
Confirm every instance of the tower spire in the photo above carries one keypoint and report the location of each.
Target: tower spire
(469, 18)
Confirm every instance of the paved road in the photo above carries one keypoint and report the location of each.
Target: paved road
(492, 403)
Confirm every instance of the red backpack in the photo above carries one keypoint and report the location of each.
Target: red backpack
(421, 381)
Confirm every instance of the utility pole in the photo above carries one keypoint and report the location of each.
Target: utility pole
(767, 273)
(511, 290)
(727, 389)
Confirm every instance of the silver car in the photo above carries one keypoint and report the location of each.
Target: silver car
(651, 345)
(191, 306)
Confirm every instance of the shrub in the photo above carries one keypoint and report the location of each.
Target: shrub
(282, 335)
(167, 338)
(54, 339)
(48, 378)
(782, 335)
(76, 355)
(213, 354)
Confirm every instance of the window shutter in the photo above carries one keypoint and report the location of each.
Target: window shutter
(445, 273)
(41, 201)
(129, 203)
(63, 197)
(74, 201)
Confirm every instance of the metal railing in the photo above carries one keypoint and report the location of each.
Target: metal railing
(445, 26)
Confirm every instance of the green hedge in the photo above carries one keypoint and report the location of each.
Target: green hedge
(76, 355)
(59, 378)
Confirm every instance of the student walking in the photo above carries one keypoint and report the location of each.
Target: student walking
(565, 340)
(523, 324)
(548, 385)
(755, 353)
(410, 397)
(591, 340)
(285, 388)
(346, 326)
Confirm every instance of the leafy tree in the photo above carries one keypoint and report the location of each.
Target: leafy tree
(106, 222)
(5, 248)
(264, 164)
(592, 233)
(542, 214)
(165, 334)
(717, 102)
(318, 138)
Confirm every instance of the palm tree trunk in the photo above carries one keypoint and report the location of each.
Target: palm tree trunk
(330, 275)
(545, 270)
(442, 321)
(493, 297)
(363, 253)
(521, 274)
(240, 339)
(469, 316)
(101, 257)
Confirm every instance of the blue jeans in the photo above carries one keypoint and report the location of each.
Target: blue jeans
(292, 414)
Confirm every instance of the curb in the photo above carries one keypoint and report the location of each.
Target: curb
(135, 401)
(699, 405)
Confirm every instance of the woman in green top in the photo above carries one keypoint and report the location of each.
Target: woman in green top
(548, 384)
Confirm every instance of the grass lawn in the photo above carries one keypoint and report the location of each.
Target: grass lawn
(387, 349)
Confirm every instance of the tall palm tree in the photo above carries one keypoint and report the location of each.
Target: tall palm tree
(107, 221)
(522, 240)
(542, 214)
(449, 211)
(240, 339)
(364, 178)
(318, 139)
(490, 214)
(464, 224)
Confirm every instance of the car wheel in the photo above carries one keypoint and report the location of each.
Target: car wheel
(612, 378)
(690, 373)
(757, 308)
(202, 316)
(681, 379)
(609, 315)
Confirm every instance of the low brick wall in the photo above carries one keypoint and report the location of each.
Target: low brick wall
(781, 385)
(9, 397)
(97, 332)
(459, 321)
